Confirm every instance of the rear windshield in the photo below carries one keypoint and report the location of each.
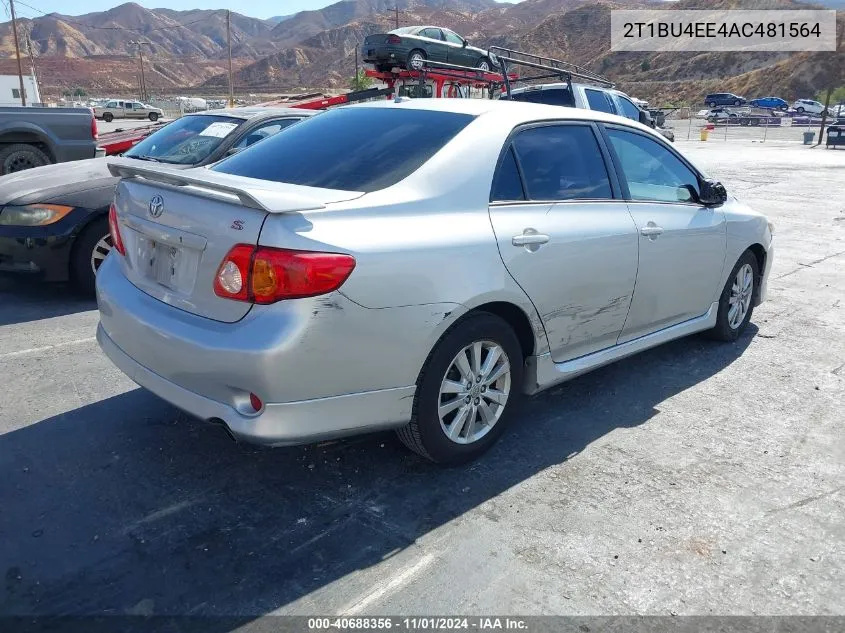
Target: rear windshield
(354, 149)
(552, 96)
(186, 141)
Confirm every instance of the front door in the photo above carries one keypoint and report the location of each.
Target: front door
(456, 52)
(564, 237)
(682, 242)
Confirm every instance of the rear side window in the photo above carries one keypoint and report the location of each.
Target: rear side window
(598, 100)
(354, 149)
(562, 162)
(553, 96)
(507, 185)
(431, 33)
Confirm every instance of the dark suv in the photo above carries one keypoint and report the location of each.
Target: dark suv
(724, 99)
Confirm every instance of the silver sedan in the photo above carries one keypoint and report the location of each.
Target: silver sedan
(417, 266)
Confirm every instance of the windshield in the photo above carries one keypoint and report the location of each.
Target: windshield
(187, 141)
(354, 149)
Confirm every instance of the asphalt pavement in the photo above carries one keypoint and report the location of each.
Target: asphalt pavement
(696, 478)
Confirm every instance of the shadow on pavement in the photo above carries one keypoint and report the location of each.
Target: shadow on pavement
(128, 507)
(24, 299)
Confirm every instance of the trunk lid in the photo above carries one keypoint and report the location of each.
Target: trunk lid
(178, 225)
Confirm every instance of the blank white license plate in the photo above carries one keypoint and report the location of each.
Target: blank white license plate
(171, 266)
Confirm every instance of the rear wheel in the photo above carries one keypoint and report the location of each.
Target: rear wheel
(799, 110)
(736, 304)
(20, 156)
(467, 391)
(108, 117)
(92, 247)
(416, 59)
(712, 104)
(153, 116)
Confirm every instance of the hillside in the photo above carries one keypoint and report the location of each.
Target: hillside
(316, 49)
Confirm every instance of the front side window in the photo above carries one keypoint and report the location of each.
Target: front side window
(453, 38)
(354, 149)
(598, 100)
(629, 110)
(562, 162)
(263, 131)
(653, 172)
(111, 104)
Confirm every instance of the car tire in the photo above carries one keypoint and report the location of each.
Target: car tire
(108, 117)
(737, 103)
(712, 104)
(740, 288)
(89, 251)
(416, 58)
(19, 156)
(799, 110)
(428, 431)
(484, 65)
(153, 116)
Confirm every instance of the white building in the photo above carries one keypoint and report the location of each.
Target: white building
(10, 90)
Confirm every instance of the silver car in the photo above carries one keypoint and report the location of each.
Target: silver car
(419, 266)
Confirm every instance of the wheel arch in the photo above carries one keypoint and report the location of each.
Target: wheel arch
(28, 134)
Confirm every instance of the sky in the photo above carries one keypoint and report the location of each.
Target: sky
(254, 8)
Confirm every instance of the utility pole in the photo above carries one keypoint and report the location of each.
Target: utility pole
(396, 9)
(32, 64)
(357, 76)
(140, 45)
(17, 51)
(830, 87)
(229, 41)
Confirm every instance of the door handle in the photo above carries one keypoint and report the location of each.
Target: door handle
(529, 239)
(651, 231)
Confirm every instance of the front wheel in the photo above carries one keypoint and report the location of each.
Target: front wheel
(467, 391)
(91, 249)
(737, 103)
(153, 116)
(799, 110)
(712, 104)
(736, 304)
(483, 65)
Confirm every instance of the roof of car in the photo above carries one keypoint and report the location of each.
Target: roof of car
(249, 112)
(505, 108)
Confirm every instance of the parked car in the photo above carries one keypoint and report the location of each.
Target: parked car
(258, 295)
(589, 97)
(715, 114)
(809, 106)
(773, 103)
(409, 47)
(32, 137)
(53, 220)
(119, 109)
(724, 99)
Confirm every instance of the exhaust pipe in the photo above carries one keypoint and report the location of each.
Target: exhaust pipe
(219, 422)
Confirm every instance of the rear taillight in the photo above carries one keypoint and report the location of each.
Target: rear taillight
(114, 230)
(266, 275)
(394, 39)
(94, 132)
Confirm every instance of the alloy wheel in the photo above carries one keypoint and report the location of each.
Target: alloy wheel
(474, 392)
(740, 299)
(101, 250)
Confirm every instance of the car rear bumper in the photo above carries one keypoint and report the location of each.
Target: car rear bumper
(278, 424)
(324, 366)
(384, 55)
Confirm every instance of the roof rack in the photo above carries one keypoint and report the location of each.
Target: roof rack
(554, 68)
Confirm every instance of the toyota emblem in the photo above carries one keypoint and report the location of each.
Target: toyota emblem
(156, 206)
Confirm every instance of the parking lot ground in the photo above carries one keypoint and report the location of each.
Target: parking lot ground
(123, 124)
(696, 478)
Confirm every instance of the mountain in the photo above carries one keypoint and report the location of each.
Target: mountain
(280, 18)
(316, 49)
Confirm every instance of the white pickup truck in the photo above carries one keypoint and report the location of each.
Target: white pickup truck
(120, 109)
(588, 97)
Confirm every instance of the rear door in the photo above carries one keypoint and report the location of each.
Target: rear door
(433, 44)
(682, 242)
(564, 235)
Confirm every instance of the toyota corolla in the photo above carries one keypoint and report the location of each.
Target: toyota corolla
(417, 266)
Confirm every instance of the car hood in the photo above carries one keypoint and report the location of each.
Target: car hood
(62, 183)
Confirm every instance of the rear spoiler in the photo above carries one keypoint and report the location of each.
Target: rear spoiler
(282, 198)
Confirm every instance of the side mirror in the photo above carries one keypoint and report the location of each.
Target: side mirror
(712, 193)
(645, 118)
(465, 43)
